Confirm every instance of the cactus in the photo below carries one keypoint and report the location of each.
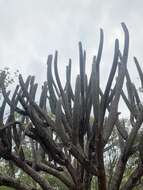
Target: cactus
(68, 145)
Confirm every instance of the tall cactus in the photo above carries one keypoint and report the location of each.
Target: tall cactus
(65, 143)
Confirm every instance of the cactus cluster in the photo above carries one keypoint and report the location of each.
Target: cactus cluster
(64, 142)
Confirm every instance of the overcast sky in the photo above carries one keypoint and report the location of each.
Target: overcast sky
(32, 29)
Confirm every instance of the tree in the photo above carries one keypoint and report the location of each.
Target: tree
(65, 143)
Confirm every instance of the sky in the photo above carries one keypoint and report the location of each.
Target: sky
(32, 29)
